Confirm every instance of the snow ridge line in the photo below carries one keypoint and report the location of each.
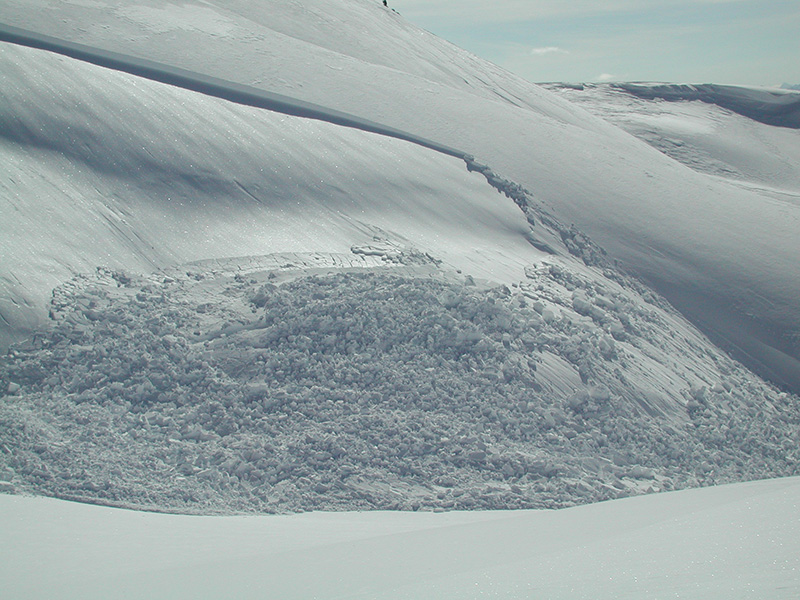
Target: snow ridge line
(210, 86)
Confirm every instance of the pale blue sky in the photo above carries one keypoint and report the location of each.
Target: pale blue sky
(749, 42)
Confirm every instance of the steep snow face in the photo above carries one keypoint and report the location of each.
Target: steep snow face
(698, 127)
(107, 169)
(740, 541)
(724, 255)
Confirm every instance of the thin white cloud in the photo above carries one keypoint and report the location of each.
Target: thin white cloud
(605, 77)
(548, 50)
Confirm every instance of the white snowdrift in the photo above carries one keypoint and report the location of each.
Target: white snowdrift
(724, 255)
(723, 543)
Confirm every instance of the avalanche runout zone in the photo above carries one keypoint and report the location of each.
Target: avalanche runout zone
(388, 387)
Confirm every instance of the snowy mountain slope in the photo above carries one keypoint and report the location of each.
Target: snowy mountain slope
(726, 542)
(701, 127)
(107, 169)
(210, 86)
(728, 257)
(345, 361)
(570, 383)
(313, 382)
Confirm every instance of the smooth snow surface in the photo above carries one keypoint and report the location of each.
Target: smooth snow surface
(725, 543)
(702, 134)
(773, 107)
(210, 86)
(725, 255)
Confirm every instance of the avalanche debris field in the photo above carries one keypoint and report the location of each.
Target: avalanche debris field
(238, 389)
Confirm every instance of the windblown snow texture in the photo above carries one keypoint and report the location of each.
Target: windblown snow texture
(774, 107)
(211, 86)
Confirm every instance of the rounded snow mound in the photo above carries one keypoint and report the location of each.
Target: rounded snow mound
(380, 388)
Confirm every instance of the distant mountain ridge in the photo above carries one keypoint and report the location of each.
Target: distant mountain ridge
(767, 106)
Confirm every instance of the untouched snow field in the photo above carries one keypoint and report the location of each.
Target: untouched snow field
(732, 542)
(700, 131)
(725, 255)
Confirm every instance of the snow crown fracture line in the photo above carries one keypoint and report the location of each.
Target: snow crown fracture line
(247, 95)
(211, 86)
